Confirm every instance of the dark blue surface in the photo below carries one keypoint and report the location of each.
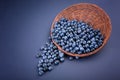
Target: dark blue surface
(24, 27)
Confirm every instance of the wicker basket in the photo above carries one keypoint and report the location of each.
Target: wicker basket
(91, 14)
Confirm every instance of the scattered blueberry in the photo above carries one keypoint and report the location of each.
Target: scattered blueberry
(73, 36)
(56, 62)
(70, 58)
(62, 59)
(76, 57)
(50, 68)
(41, 73)
(49, 56)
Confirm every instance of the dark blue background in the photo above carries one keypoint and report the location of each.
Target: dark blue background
(25, 26)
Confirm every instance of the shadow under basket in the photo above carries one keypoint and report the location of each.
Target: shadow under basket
(91, 14)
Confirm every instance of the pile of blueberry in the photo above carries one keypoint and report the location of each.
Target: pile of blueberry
(76, 36)
(50, 56)
(72, 36)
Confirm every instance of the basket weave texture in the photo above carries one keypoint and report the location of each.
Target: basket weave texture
(91, 14)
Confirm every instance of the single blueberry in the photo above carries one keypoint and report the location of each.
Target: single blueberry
(96, 46)
(70, 58)
(41, 73)
(38, 55)
(62, 44)
(79, 52)
(76, 57)
(61, 54)
(44, 57)
(93, 39)
(63, 31)
(87, 50)
(46, 60)
(42, 48)
(50, 68)
(79, 30)
(44, 65)
(62, 59)
(40, 69)
(86, 45)
(73, 45)
(49, 57)
(65, 37)
(41, 60)
(45, 69)
(68, 23)
(51, 60)
(67, 50)
(76, 48)
(44, 51)
(84, 42)
(39, 65)
(49, 64)
(56, 62)
(81, 48)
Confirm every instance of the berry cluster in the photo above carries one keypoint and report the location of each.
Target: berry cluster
(50, 55)
(72, 36)
(76, 36)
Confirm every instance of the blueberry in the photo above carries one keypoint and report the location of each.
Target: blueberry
(41, 60)
(62, 59)
(73, 51)
(56, 62)
(49, 56)
(63, 19)
(67, 50)
(44, 57)
(46, 60)
(39, 65)
(47, 44)
(68, 24)
(63, 31)
(81, 48)
(49, 64)
(93, 39)
(40, 69)
(73, 45)
(89, 42)
(50, 68)
(50, 38)
(45, 69)
(70, 58)
(96, 46)
(48, 51)
(51, 53)
(41, 73)
(87, 50)
(79, 52)
(54, 58)
(84, 42)
(63, 47)
(62, 43)
(44, 65)
(61, 54)
(79, 30)
(42, 48)
(51, 60)
(38, 55)
(76, 48)
(44, 51)
(76, 57)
